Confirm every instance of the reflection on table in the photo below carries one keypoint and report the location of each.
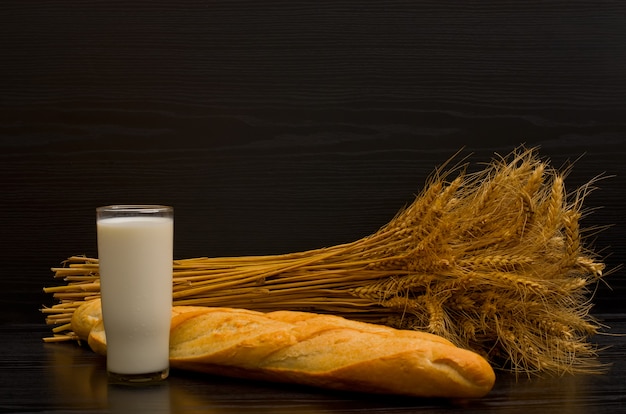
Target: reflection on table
(78, 381)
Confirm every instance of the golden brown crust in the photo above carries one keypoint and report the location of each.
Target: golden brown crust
(320, 350)
(86, 317)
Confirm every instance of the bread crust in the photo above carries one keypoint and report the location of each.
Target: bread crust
(318, 350)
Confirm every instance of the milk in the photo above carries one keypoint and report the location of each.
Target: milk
(135, 255)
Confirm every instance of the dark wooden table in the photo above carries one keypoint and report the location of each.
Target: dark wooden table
(281, 126)
(63, 377)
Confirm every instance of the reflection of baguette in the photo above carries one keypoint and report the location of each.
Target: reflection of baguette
(312, 349)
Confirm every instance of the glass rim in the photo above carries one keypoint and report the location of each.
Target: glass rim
(135, 208)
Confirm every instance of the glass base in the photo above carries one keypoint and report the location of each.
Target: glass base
(138, 379)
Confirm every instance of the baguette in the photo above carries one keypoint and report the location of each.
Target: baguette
(311, 349)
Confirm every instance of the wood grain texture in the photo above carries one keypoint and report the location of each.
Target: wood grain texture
(281, 126)
(66, 378)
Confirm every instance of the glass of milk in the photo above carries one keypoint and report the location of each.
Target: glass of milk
(135, 249)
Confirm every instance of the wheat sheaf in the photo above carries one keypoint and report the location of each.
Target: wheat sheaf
(493, 260)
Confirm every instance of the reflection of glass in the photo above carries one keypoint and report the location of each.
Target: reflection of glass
(135, 245)
(150, 399)
(79, 380)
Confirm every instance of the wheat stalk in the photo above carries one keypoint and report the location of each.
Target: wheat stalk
(492, 260)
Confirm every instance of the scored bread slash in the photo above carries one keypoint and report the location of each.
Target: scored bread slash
(311, 349)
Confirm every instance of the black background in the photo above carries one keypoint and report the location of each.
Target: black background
(281, 126)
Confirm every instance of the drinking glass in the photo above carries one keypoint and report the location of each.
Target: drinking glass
(135, 249)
